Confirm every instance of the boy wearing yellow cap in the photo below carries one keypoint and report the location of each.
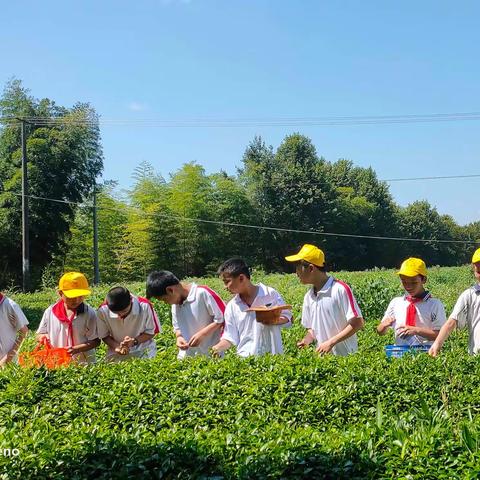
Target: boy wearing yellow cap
(466, 313)
(13, 329)
(416, 317)
(330, 312)
(71, 323)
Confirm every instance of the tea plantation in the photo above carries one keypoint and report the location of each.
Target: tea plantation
(295, 416)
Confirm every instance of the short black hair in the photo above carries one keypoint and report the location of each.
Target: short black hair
(157, 283)
(118, 299)
(234, 267)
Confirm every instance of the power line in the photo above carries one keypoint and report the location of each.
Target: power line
(406, 179)
(52, 121)
(311, 232)
(35, 197)
(439, 177)
(283, 121)
(429, 178)
(257, 227)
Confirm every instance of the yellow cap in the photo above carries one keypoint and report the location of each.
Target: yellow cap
(74, 284)
(412, 267)
(476, 256)
(309, 253)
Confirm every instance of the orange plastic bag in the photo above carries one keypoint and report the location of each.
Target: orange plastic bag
(48, 356)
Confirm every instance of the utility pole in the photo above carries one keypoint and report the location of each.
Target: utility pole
(96, 268)
(25, 223)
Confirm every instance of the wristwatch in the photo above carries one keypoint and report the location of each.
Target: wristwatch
(135, 342)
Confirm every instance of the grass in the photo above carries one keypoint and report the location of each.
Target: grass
(293, 416)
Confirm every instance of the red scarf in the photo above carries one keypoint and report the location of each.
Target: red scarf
(412, 310)
(60, 312)
(2, 298)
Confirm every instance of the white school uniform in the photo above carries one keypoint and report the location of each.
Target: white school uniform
(467, 314)
(141, 319)
(202, 307)
(329, 311)
(249, 336)
(84, 329)
(12, 319)
(430, 314)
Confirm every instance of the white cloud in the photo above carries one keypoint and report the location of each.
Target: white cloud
(137, 106)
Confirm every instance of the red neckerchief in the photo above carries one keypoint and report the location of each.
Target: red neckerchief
(412, 310)
(2, 298)
(60, 312)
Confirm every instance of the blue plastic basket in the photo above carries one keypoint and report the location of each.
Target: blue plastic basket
(398, 351)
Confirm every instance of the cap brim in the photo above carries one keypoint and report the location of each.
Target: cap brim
(409, 273)
(293, 258)
(76, 292)
(476, 259)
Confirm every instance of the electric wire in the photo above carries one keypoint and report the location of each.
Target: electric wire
(183, 218)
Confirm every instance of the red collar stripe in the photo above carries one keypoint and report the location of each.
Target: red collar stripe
(220, 303)
(350, 297)
(155, 318)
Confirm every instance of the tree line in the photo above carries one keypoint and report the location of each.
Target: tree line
(184, 223)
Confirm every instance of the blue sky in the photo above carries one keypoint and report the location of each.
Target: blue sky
(185, 59)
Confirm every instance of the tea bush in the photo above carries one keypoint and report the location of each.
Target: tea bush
(291, 416)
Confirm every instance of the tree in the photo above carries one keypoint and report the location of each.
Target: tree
(64, 160)
(230, 204)
(378, 219)
(188, 201)
(354, 215)
(112, 215)
(151, 235)
(256, 177)
(420, 220)
(288, 190)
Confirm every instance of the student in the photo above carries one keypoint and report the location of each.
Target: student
(197, 312)
(330, 312)
(466, 313)
(127, 324)
(416, 316)
(241, 327)
(70, 322)
(13, 329)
